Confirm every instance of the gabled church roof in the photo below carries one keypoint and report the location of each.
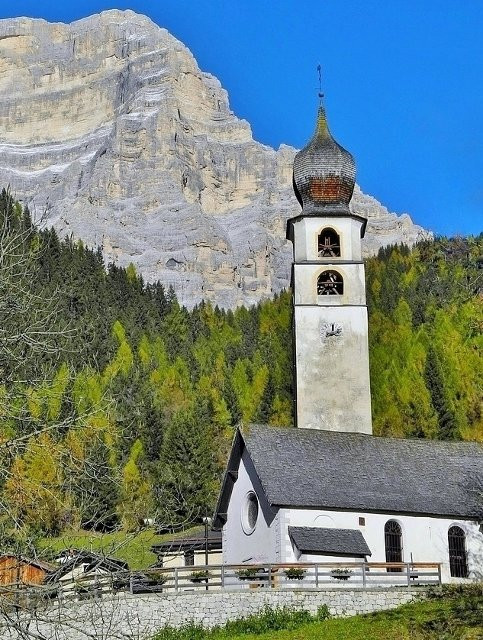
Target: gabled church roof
(309, 468)
(335, 542)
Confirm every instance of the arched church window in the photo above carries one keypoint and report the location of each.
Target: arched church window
(330, 283)
(328, 244)
(458, 561)
(393, 543)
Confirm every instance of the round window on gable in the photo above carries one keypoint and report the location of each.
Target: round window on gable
(250, 513)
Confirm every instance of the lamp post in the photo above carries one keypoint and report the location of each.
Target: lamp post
(207, 522)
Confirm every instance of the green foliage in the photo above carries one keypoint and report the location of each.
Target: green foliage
(269, 619)
(295, 573)
(249, 380)
(445, 619)
(33, 489)
(94, 484)
(187, 471)
(425, 319)
(139, 397)
(136, 494)
(247, 574)
(133, 547)
(199, 576)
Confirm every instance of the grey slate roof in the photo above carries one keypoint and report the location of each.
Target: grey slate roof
(333, 470)
(189, 543)
(343, 542)
(92, 561)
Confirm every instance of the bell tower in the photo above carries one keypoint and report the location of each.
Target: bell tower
(330, 314)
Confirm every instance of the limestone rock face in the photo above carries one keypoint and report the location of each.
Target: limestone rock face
(110, 131)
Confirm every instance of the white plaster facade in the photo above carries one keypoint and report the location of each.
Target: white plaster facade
(263, 544)
(424, 538)
(332, 371)
(173, 559)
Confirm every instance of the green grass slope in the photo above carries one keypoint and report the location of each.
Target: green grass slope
(453, 614)
(134, 548)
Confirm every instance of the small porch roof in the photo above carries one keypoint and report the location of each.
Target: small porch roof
(331, 542)
(194, 542)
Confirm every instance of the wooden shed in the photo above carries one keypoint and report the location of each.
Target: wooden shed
(20, 570)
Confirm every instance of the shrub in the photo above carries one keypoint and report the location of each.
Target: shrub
(269, 619)
(456, 591)
(323, 613)
(159, 576)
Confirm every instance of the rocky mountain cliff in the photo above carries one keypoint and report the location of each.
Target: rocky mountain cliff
(110, 131)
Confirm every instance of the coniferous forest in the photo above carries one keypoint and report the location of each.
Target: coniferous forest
(117, 404)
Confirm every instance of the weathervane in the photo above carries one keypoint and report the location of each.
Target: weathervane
(321, 95)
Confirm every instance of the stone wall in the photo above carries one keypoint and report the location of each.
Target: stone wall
(138, 617)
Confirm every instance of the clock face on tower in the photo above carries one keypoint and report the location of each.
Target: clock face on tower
(329, 329)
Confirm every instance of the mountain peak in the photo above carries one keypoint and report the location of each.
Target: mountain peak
(109, 127)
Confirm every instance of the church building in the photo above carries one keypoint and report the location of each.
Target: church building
(328, 490)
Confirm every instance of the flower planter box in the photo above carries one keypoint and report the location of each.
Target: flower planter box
(294, 574)
(251, 575)
(341, 575)
(201, 576)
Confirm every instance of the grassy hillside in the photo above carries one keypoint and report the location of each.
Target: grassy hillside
(453, 616)
(134, 548)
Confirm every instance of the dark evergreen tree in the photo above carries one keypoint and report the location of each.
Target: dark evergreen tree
(188, 472)
(433, 374)
(96, 488)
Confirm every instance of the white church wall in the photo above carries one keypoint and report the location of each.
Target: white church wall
(261, 545)
(333, 391)
(424, 539)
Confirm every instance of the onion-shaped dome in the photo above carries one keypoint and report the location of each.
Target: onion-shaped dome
(324, 173)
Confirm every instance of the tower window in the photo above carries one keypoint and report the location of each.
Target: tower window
(328, 244)
(330, 283)
(393, 543)
(458, 562)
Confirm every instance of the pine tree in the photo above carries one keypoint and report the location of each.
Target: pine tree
(135, 494)
(187, 478)
(434, 379)
(96, 487)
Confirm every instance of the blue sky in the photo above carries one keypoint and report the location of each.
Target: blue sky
(403, 81)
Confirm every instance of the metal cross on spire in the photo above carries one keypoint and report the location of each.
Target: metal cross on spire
(321, 95)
